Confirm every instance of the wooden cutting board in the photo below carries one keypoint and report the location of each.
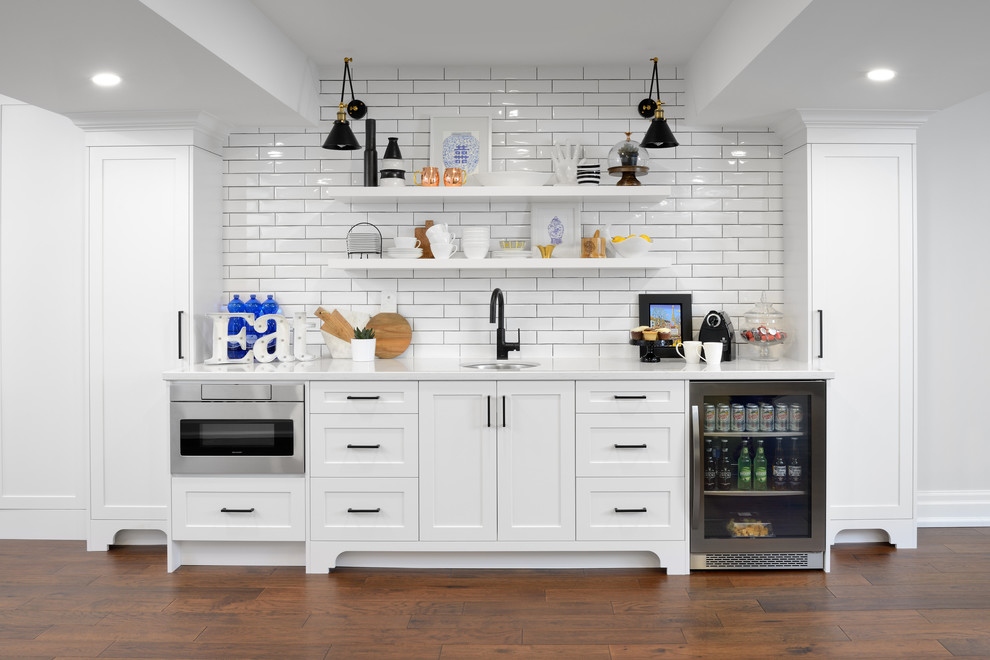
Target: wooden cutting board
(424, 242)
(335, 324)
(393, 334)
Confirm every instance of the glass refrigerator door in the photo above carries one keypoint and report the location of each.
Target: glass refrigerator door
(758, 480)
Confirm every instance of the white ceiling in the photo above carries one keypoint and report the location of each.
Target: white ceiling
(256, 62)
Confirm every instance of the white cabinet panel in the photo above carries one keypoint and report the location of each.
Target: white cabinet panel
(536, 461)
(364, 398)
(42, 455)
(610, 509)
(629, 396)
(630, 445)
(364, 510)
(364, 445)
(238, 509)
(457, 461)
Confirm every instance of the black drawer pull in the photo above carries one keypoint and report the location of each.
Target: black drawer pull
(349, 446)
(351, 397)
(226, 510)
(621, 397)
(350, 510)
(642, 446)
(618, 510)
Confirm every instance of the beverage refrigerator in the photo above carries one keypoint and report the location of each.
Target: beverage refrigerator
(757, 474)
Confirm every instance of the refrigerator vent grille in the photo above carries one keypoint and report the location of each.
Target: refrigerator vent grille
(757, 560)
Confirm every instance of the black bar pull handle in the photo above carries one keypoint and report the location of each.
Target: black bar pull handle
(350, 446)
(621, 397)
(503, 410)
(489, 411)
(821, 333)
(226, 510)
(352, 397)
(642, 510)
(642, 446)
(350, 510)
(697, 480)
(181, 356)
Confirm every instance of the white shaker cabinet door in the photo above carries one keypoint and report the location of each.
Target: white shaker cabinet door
(535, 461)
(457, 456)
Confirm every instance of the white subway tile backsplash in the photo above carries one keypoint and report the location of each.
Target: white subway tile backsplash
(722, 226)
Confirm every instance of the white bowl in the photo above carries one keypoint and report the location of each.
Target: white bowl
(633, 246)
(513, 178)
(475, 251)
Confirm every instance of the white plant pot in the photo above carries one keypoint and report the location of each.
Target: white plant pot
(362, 350)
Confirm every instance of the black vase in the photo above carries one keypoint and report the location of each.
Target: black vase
(370, 155)
(392, 150)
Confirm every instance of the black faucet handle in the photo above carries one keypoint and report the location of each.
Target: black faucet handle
(514, 345)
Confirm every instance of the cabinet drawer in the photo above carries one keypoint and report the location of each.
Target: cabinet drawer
(629, 396)
(614, 509)
(364, 445)
(630, 445)
(349, 397)
(364, 510)
(238, 509)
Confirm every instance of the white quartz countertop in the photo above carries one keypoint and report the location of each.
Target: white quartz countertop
(452, 369)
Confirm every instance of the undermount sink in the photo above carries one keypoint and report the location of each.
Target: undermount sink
(500, 365)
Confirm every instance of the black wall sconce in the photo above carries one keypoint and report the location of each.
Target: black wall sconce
(659, 135)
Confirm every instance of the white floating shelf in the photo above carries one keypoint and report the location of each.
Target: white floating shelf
(509, 193)
(536, 263)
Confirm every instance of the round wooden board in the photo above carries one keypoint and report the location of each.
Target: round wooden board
(393, 334)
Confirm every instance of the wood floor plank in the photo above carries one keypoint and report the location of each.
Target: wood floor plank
(607, 636)
(528, 651)
(747, 649)
(241, 651)
(384, 652)
(973, 646)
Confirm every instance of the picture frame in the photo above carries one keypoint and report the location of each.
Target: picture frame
(557, 224)
(668, 310)
(464, 142)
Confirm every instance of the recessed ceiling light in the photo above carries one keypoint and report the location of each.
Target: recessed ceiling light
(106, 79)
(881, 75)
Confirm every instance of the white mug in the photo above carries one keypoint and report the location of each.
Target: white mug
(435, 232)
(443, 250)
(406, 242)
(692, 351)
(713, 352)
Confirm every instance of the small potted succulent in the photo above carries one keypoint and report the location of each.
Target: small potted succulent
(363, 345)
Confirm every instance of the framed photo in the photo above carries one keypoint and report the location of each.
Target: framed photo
(666, 310)
(556, 224)
(464, 142)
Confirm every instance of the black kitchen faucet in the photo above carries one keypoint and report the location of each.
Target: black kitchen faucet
(502, 347)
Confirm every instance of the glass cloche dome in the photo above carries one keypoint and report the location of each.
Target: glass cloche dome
(626, 160)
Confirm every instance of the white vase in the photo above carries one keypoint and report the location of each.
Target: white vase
(363, 350)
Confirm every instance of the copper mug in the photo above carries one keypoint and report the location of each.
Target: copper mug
(454, 176)
(430, 176)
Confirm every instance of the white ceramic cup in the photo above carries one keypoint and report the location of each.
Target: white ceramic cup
(443, 250)
(713, 352)
(442, 238)
(690, 351)
(406, 242)
(436, 231)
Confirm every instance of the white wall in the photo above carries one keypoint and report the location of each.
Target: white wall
(722, 225)
(954, 315)
(43, 427)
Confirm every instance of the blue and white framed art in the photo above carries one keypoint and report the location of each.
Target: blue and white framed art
(557, 224)
(464, 142)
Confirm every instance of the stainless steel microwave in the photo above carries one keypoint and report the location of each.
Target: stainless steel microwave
(237, 428)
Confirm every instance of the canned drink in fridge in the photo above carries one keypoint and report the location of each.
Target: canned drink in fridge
(738, 417)
(752, 417)
(709, 417)
(766, 417)
(782, 417)
(722, 417)
(796, 418)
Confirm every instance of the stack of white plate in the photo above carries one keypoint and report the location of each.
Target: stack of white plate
(512, 254)
(404, 253)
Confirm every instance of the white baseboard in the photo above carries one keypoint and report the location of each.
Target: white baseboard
(47, 524)
(954, 508)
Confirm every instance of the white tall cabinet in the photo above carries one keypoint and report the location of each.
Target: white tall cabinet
(43, 476)
(849, 195)
(497, 461)
(154, 249)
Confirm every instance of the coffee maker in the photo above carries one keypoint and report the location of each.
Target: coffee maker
(716, 326)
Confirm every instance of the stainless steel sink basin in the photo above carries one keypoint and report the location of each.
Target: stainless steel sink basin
(500, 365)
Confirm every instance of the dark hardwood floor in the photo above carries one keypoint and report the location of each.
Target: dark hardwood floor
(59, 601)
